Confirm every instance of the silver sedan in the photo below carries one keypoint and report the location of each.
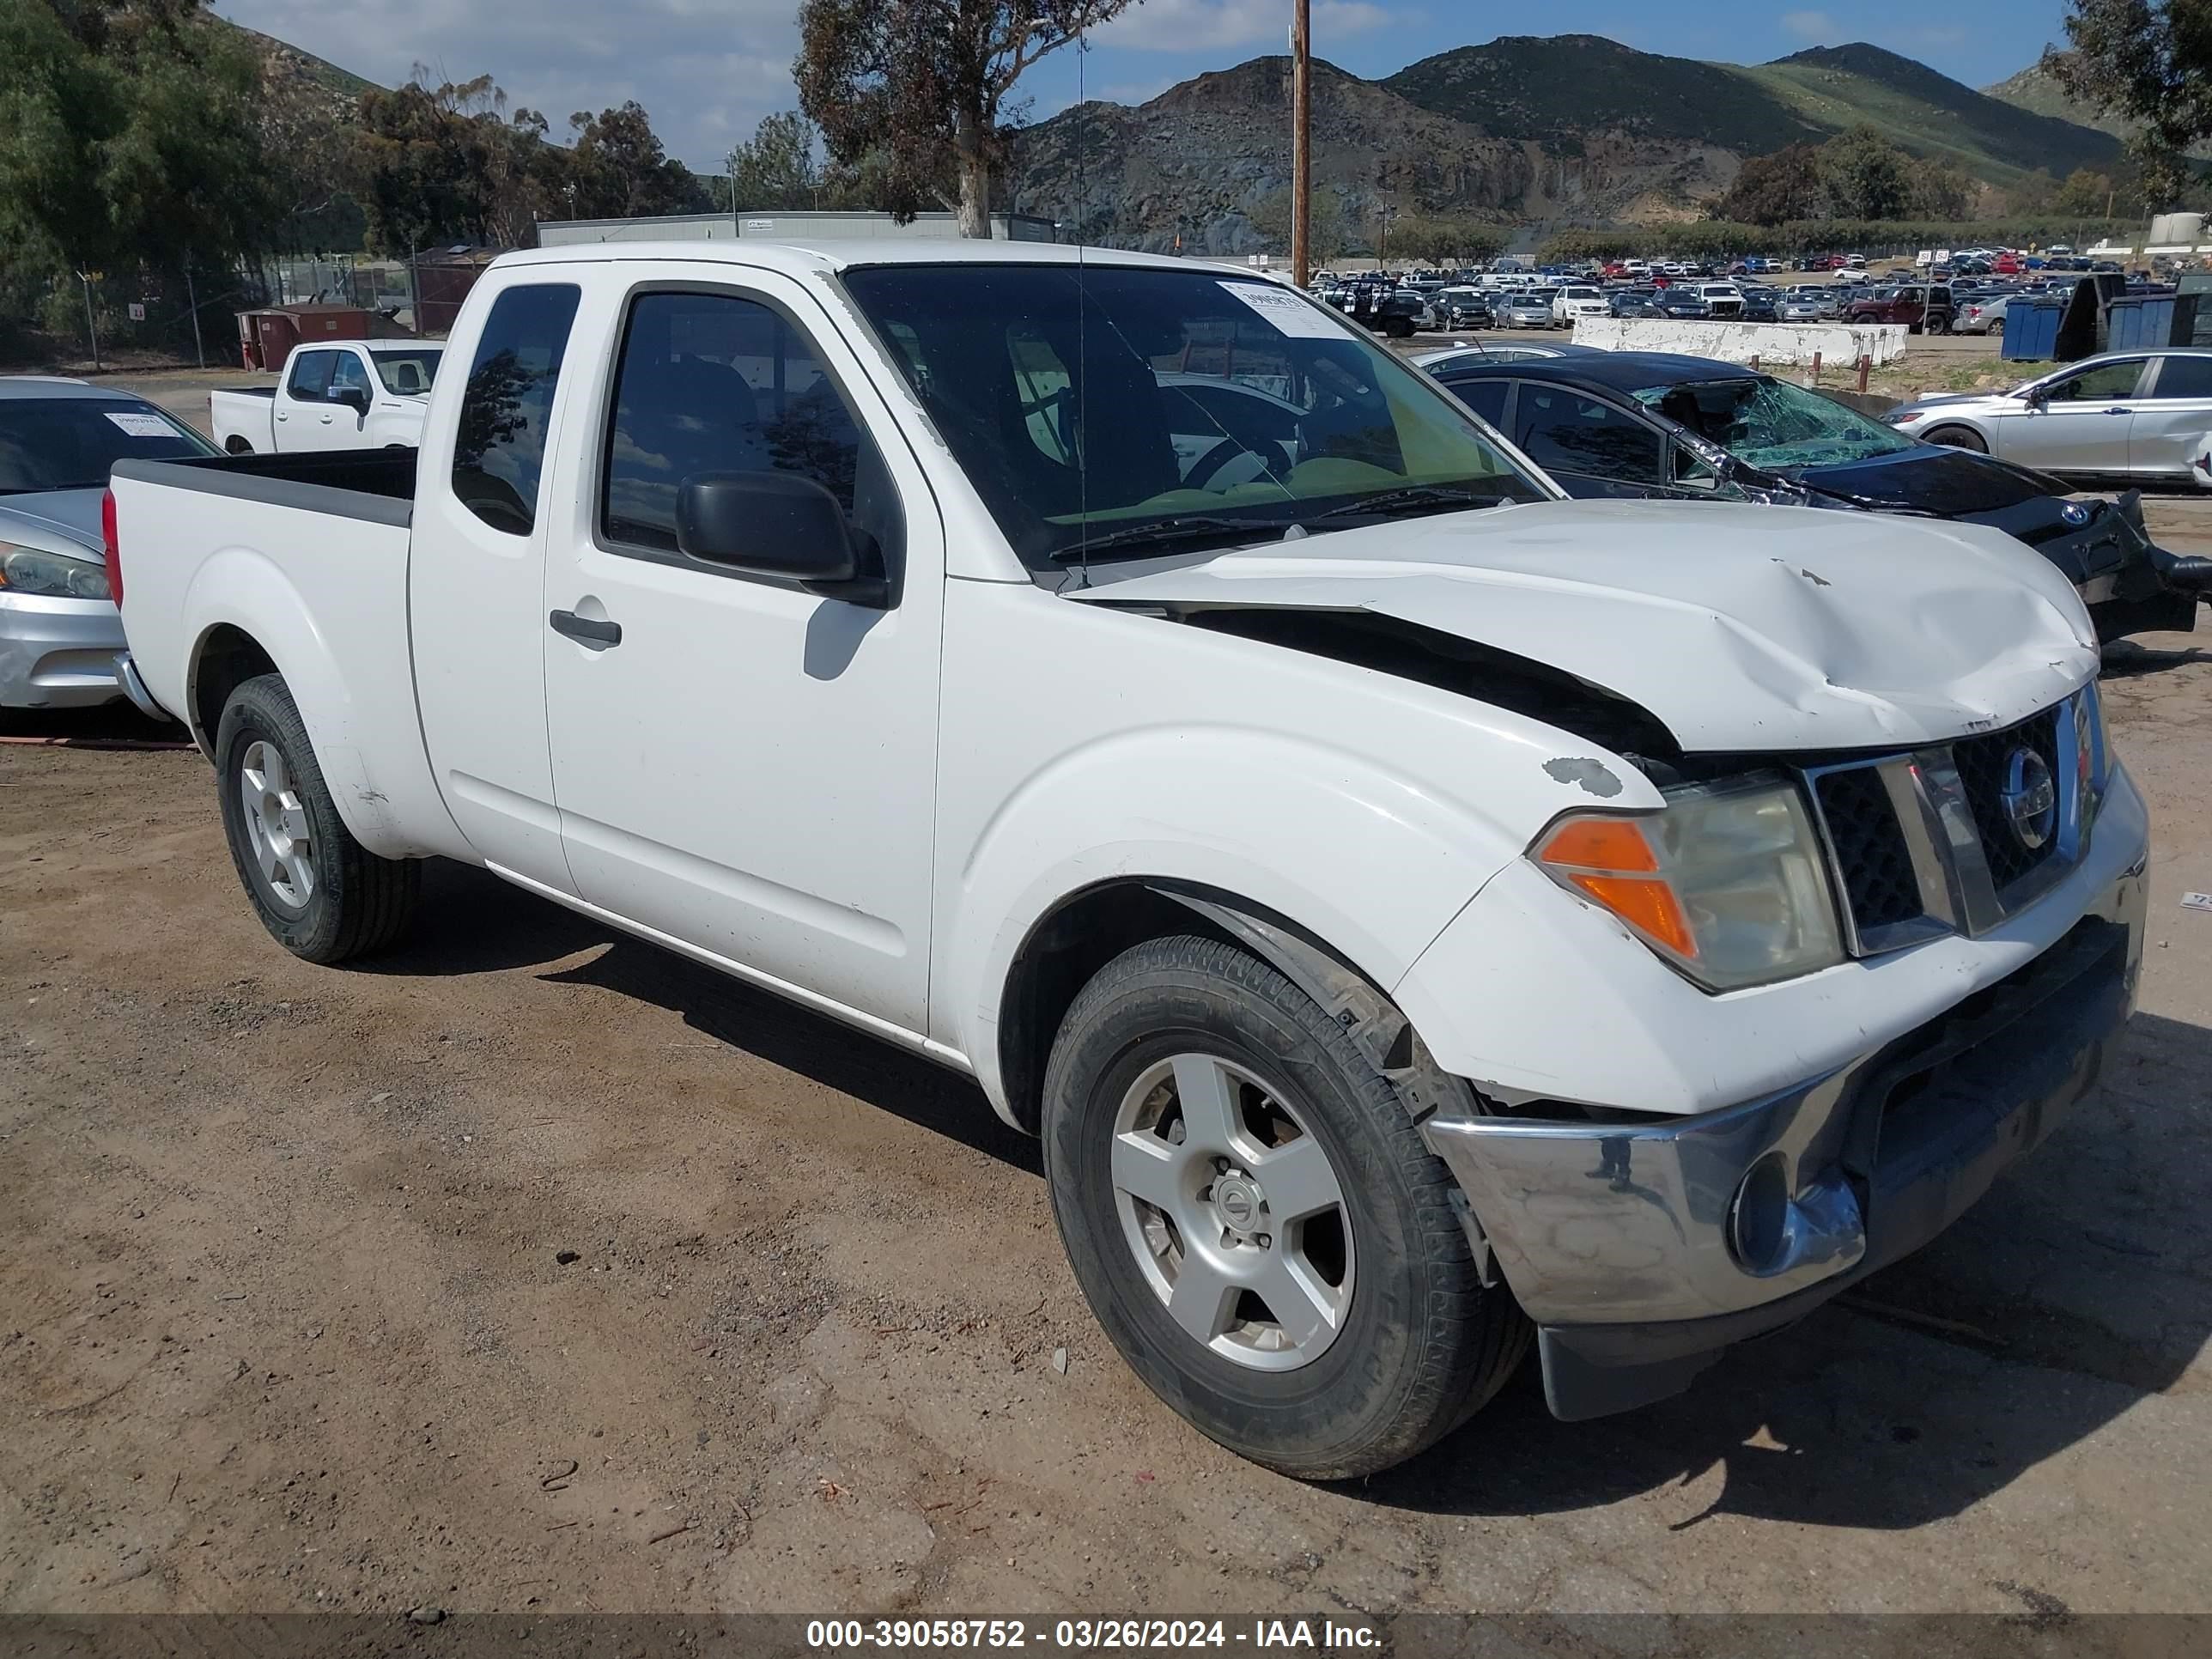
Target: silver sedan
(60, 631)
(2142, 417)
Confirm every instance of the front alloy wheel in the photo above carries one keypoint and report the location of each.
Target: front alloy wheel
(1256, 1221)
(1232, 1214)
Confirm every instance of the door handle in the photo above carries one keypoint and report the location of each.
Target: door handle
(588, 631)
(2120, 411)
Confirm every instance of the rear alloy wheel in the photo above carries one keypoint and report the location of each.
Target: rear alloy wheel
(1257, 1223)
(320, 893)
(1959, 437)
(1995, 329)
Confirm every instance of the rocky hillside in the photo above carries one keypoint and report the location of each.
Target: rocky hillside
(1196, 160)
(1572, 129)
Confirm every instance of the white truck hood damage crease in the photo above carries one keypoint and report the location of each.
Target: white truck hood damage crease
(1848, 634)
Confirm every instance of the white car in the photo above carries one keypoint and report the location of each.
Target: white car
(1579, 300)
(2139, 418)
(1420, 913)
(1722, 299)
(349, 394)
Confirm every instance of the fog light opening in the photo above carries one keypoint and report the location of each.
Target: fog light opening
(1758, 1219)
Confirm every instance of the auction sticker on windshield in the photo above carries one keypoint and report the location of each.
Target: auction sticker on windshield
(135, 425)
(1290, 314)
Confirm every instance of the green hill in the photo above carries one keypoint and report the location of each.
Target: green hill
(1930, 114)
(1561, 90)
(1557, 89)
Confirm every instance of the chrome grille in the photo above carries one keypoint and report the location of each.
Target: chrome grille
(1873, 864)
(1925, 844)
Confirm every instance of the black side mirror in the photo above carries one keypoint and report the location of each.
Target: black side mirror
(355, 397)
(776, 524)
(2039, 398)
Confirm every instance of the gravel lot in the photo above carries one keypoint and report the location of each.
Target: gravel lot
(532, 1269)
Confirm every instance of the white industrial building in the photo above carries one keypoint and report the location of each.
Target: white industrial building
(807, 227)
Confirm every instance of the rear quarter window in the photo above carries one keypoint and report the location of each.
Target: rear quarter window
(498, 449)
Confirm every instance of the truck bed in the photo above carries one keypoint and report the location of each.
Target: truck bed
(302, 559)
(377, 485)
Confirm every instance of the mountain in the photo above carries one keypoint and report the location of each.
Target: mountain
(1930, 114)
(1197, 158)
(1558, 90)
(2036, 90)
(1571, 129)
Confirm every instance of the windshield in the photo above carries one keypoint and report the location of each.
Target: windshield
(1108, 401)
(407, 373)
(70, 443)
(1772, 425)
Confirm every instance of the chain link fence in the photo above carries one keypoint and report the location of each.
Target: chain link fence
(92, 319)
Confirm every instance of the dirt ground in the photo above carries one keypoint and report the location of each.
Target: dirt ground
(531, 1268)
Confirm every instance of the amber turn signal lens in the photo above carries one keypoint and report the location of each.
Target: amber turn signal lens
(1645, 903)
(1610, 860)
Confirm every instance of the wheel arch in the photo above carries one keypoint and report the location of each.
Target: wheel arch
(1067, 945)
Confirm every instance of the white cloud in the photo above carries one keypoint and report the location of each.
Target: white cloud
(1213, 25)
(707, 70)
(1813, 27)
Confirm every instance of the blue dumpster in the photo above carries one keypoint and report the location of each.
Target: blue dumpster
(2136, 322)
(2031, 327)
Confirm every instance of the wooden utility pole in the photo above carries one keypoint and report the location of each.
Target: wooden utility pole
(1302, 143)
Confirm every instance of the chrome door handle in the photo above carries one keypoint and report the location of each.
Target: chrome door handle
(588, 631)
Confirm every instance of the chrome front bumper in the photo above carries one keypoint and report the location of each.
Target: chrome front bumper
(57, 653)
(1643, 1248)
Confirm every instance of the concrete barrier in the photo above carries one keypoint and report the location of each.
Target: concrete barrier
(1772, 343)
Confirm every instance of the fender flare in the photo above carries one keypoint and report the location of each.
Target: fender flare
(1370, 1018)
(260, 603)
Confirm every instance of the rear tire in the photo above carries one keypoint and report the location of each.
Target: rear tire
(1959, 437)
(1318, 1376)
(237, 446)
(321, 894)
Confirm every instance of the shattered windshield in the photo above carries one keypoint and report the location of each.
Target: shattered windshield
(1120, 410)
(1773, 425)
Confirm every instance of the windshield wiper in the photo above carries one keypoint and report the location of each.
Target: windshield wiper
(1166, 532)
(1411, 495)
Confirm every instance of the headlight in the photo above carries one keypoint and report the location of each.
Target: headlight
(1726, 884)
(28, 570)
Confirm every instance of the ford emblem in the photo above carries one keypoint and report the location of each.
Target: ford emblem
(2030, 798)
(2074, 512)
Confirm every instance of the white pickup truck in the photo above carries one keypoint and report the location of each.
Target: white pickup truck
(1418, 913)
(348, 394)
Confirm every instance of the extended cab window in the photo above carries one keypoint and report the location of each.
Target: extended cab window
(499, 452)
(310, 380)
(711, 383)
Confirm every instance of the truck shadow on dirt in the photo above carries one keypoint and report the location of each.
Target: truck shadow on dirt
(2072, 1291)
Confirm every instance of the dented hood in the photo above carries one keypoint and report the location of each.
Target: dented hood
(1738, 629)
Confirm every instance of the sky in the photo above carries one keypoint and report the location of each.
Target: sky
(708, 69)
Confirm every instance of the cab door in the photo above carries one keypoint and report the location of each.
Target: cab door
(742, 765)
(475, 575)
(301, 408)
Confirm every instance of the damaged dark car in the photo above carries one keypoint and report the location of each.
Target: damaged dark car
(1655, 426)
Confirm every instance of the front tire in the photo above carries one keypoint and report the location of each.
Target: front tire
(1257, 1224)
(321, 894)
